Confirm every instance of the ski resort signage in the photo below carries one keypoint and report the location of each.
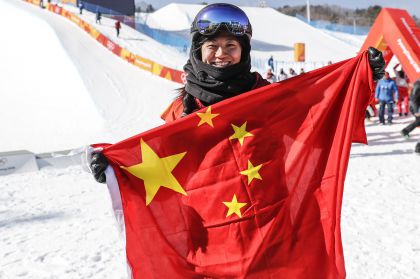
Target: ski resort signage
(17, 162)
(394, 32)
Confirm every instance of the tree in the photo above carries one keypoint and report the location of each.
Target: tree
(150, 9)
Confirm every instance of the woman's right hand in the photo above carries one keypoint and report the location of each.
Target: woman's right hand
(98, 165)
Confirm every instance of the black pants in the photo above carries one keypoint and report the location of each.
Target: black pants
(412, 125)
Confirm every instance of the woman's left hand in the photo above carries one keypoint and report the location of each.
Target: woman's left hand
(377, 63)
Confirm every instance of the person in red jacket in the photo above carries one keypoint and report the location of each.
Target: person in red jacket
(117, 27)
(219, 63)
(402, 84)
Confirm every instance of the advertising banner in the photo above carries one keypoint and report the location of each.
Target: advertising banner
(125, 7)
(394, 32)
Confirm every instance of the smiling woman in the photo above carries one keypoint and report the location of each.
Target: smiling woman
(221, 51)
(219, 63)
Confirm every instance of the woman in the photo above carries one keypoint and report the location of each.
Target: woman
(218, 67)
(219, 64)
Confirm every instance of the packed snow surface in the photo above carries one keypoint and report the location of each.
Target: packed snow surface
(61, 89)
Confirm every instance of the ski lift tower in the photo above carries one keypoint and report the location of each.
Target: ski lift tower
(262, 4)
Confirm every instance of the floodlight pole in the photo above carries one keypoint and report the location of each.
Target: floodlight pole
(308, 11)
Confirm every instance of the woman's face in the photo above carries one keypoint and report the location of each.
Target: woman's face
(222, 51)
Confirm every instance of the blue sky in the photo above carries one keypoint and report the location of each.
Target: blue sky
(413, 6)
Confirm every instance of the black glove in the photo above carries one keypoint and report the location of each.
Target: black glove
(98, 165)
(189, 104)
(377, 63)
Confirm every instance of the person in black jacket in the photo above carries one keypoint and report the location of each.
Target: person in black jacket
(415, 109)
(98, 17)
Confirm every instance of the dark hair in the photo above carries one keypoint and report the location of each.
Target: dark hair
(401, 74)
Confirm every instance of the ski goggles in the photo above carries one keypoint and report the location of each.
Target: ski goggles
(213, 17)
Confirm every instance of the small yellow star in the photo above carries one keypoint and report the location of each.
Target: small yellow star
(207, 117)
(252, 172)
(234, 206)
(240, 133)
(156, 171)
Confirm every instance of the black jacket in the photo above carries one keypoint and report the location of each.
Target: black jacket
(415, 96)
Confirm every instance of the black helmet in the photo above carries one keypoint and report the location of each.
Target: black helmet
(218, 17)
(212, 18)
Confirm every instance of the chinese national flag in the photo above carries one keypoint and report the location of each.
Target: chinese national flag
(250, 187)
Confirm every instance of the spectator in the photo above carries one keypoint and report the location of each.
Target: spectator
(302, 71)
(271, 63)
(386, 94)
(282, 75)
(98, 17)
(415, 109)
(402, 84)
(370, 112)
(118, 27)
(270, 76)
(81, 7)
(292, 72)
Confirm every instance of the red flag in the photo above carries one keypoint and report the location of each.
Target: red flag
(249, 187)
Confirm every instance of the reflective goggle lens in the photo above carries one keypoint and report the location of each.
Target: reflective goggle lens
(210, 19)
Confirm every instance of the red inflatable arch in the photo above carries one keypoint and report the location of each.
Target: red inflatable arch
(394, 32)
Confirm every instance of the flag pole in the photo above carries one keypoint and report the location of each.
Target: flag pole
(308, 11)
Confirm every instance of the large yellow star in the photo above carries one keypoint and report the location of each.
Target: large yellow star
(252, 172)
(156, 171)
(207, 117)
(234, 206)
(240, 133)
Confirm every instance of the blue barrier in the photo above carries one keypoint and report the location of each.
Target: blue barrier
(177, 39)
(96, 8)
(323, 24)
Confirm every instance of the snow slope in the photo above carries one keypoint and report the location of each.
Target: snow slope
(57, 223)
(134, 41)
(71, 90)
(35, 89)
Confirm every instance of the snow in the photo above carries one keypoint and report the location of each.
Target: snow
(351, 39)
(134, 41)
(37, 88)
(58, 223)
(164, 17)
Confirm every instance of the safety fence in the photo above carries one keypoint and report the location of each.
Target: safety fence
(130, 57)
(323, 24)
(96, 8)
(177, 39)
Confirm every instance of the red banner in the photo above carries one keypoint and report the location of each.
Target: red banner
(109, 44)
